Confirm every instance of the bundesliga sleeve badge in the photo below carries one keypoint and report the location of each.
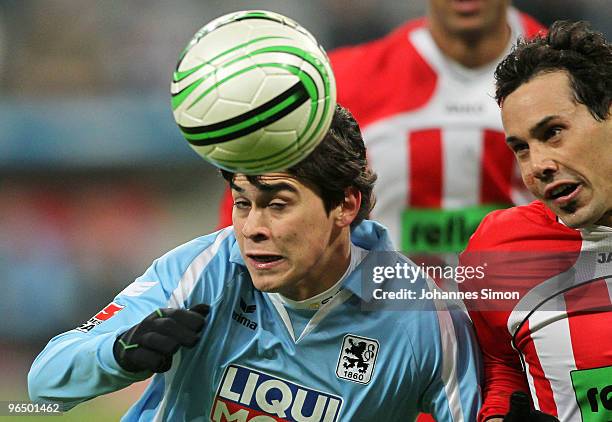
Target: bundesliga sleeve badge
(107, 313)
(357, 359)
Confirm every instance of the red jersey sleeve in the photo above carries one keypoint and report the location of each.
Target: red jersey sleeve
(503, 372)
(502, 369)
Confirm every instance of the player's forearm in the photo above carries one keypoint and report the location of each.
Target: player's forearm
(76, 367)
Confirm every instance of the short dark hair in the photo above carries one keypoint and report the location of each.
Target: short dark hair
(573, 47)
(337, 163)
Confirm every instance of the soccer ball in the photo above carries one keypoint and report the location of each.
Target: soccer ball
(253, 92)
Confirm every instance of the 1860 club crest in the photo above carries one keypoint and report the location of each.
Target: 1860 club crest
(357, 359)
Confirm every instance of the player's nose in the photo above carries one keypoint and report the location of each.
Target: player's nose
(543, 166)
(256, 225)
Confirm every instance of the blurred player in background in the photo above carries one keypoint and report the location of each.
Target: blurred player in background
(423, 96)
(555, 94)
(265, 318)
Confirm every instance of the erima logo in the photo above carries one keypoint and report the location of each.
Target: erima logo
(247, 309)
(464, 108)
(241, 319)
(248, 395)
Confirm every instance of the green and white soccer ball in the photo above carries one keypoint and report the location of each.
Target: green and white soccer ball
(253, 92)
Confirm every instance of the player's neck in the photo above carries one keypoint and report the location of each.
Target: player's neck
(606, 220)
(472, 50)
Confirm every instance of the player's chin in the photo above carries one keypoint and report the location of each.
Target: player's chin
(577, 216)
(267, 282)
(470, 26)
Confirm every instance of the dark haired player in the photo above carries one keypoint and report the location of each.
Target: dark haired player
(555, 94)
(265, 320)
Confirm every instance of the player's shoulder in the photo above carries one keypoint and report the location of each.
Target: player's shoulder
(198, 271)
(214, 246)
(376, 57)
(383, 77)
(515, 227)
(380, 46)
(535, 212)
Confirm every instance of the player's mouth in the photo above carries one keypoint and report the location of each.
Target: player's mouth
(466, 7)
(262, 261)
(562, 193)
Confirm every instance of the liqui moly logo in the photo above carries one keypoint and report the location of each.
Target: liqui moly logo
(246, 395)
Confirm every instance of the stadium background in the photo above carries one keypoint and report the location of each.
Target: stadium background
(95, 181)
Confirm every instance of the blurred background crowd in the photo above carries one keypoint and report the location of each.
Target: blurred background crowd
(95, 180)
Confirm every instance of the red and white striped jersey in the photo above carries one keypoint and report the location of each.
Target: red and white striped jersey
(433, 132)
(560, 328)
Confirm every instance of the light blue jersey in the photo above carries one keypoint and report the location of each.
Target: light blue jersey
(346, 364)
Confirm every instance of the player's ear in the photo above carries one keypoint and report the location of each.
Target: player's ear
(349, 208)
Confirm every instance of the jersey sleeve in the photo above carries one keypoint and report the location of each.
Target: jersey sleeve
(503, 373)
(502, 368)
(78, 365)
(451, 365)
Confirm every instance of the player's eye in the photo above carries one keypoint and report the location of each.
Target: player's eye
(241, 204)
(277, 205)
(518, 147)
(552, 131)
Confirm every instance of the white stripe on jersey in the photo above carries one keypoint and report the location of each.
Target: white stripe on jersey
(532, 388)
(450, 355)
(388, 155)
(192, 274)
(448, 339)
(177, 300)
(560, 349)
(456, 191)
(553, 344)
